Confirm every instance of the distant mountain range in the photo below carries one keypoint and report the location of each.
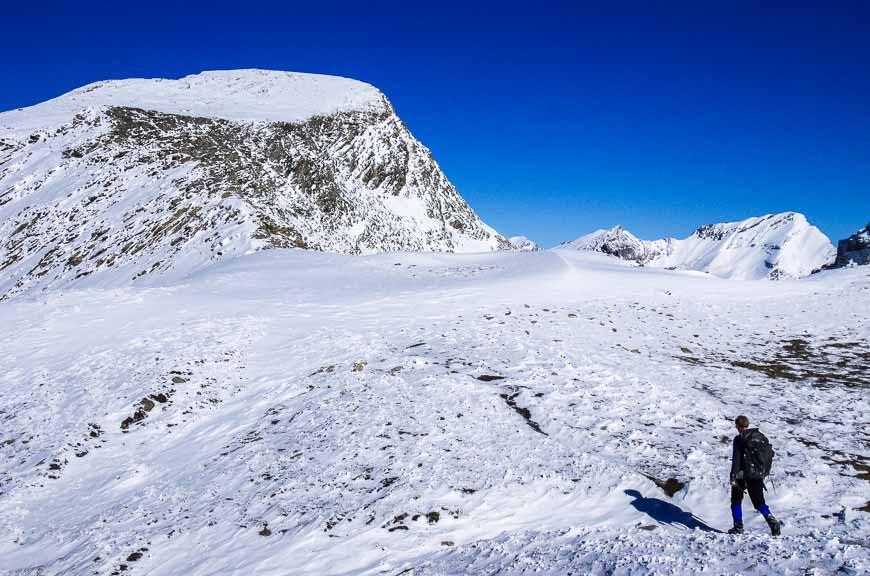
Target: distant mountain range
(773, 246)
(123, 180)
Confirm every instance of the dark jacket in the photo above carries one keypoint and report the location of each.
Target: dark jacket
(738, 454)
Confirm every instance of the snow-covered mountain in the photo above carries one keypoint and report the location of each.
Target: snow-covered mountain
(621, 243)
(524, 244)
(142, 177)
(854, 250)
(773, 246)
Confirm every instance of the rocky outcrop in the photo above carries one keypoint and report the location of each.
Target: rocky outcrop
(854, 250)
(114, 193)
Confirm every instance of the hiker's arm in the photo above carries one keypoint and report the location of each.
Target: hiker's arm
(736, 460)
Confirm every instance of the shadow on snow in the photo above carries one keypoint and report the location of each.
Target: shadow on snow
(667, 513)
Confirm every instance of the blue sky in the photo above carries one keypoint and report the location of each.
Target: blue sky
(552, 119)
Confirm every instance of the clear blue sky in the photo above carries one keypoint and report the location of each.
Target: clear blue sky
(552, 119)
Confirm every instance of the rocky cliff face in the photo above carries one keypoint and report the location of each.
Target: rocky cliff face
(773, 246)
(122, 181)
(854, 250)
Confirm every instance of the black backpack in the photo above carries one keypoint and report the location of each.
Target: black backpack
(758, 456)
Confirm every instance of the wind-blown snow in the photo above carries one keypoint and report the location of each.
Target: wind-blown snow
(315, 414)
(239, 95)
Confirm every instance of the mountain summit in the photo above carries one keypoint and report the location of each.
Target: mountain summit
(523, 244)
(127, 179)
(773, 246)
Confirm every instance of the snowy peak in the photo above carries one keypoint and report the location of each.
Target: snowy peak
(854, 250)
(125, 181)
(238, 95)
(523, 244)
(616, 241)
(773, 246)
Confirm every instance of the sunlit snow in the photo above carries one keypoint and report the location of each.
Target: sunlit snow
(292, 412)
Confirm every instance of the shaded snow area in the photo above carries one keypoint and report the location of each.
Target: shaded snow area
(555, 412)
(240, 95)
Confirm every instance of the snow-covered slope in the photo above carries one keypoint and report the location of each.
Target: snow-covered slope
(120, 181)
(297, 412)
(772, 246)
(854, 250)
(524, 244)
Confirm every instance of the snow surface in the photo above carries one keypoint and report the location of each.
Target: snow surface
(242, 95)
(772, 246)
(314, 413)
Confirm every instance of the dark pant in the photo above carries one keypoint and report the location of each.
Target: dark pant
(755, 489)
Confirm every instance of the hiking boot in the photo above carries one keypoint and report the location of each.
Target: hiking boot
(737, 529)
(774, 525)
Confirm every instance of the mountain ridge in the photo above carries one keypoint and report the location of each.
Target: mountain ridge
(772, 246)
(246, 95)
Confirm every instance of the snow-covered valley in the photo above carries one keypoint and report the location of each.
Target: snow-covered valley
(295, 412)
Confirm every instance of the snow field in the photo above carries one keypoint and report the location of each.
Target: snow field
(432, 414)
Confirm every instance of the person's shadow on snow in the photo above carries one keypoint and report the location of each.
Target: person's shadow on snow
(667, 513)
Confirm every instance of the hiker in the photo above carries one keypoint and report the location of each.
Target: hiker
(751, 459)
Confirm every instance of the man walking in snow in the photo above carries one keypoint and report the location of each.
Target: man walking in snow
(751, 459)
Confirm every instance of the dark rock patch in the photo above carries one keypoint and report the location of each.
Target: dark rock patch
(670, 486)
(510, 400)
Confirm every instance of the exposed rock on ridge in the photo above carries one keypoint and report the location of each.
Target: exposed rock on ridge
(854, 250)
